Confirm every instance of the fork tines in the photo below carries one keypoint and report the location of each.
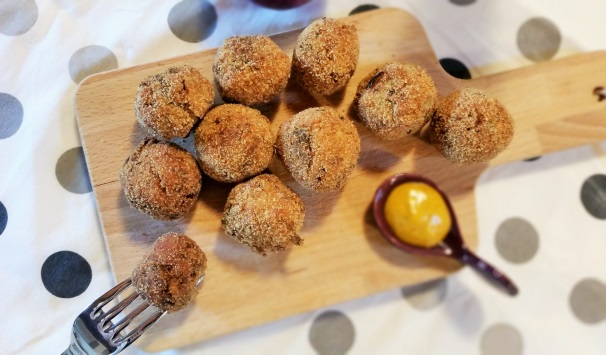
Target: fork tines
(103, 320)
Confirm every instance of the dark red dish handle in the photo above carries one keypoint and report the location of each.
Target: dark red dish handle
(488, 271)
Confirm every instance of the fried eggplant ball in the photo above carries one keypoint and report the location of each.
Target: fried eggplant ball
(320, 148)
(264, 214)
(234, 142)
(470, 126)
(168, 275)
(169, 104)
(325, 56)
(161, 179)
(250, 70)
(396, 100)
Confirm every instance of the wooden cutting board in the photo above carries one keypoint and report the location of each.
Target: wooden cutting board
(343, 257)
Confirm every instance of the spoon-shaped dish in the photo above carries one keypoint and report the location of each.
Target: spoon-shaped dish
(452, 245)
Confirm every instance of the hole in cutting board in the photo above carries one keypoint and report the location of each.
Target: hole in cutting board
(600, 92)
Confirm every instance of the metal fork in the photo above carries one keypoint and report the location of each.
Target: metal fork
(93, 331)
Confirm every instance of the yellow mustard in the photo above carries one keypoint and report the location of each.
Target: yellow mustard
(417, 214)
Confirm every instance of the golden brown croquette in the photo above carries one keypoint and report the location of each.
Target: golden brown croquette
(325, 56)
(250, 70)
(167, 105)
(234, 142)
(264, 214)
(168, 275)
(396, 100)
(161, 179)
(320, 148)
(469, 126)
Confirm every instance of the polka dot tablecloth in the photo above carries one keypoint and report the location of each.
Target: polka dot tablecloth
(543, 221)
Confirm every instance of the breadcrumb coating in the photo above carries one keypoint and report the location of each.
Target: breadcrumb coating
(168, 275)
(250, 70)
(161, 179)
(234, 142)
(320, 148)
(169, 104)
(396, 100)
(325, 56)
(470, 126)
(264, 214)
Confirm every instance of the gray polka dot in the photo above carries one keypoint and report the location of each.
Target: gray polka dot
(539, 39)
(517, 240)
(588, 301)
(426, 295)
(332, 333)
(593, 195)
(192, 20)
(11, 115)
(72, 173)
(462, 2)
(17, 17)
(90, 60)
(501, 339)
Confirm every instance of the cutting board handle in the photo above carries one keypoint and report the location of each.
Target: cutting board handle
(553, 104)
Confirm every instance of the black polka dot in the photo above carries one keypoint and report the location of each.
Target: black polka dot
(17, 17)
(593, 195)
(192, 20)
(71, 171)
(91, 60)
(363, 8)
(539, 39)
(462, 2)
(66, 274)
(281, 4)
(11, 115)
(332, 332)
(455, 68)
(3, 218)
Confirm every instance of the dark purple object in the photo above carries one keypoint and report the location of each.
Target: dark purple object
(281, 4)
(452, 246)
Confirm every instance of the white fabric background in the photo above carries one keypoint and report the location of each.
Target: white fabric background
(44, 217)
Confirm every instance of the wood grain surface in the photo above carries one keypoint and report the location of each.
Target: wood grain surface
(343, 257)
